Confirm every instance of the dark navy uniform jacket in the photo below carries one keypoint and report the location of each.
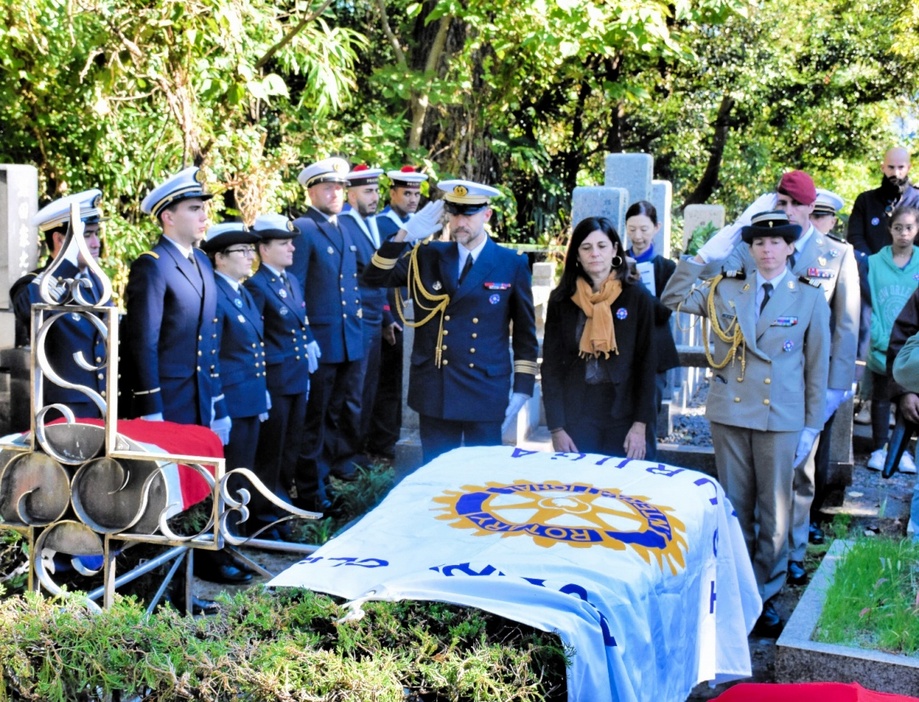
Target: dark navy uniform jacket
(287, 331)
(170, 331)
(240, 336)
(325, 260)
(388, 223)
(69, 335)
(373, 300)
(473, 381)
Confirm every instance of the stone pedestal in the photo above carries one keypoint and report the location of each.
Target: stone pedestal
(662, 199)
(695, 216)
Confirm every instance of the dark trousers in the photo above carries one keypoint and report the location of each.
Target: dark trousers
(240, 452)
(880, 410)
(332, 428)
(441, 435)
(822, 469)
(278, 448)
(370, 372)
(386, 416)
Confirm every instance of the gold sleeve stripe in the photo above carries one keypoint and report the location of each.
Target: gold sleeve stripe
(146, 392)
(385, 264)
(525, 367)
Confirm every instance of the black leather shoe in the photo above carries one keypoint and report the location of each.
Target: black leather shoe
(796, 573)
(199, 606)
(769, 623)
(815, 534)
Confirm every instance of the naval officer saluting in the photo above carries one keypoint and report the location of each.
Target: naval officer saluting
(470, 296)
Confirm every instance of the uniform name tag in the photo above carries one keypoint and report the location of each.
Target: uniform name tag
(785, 322)
(497, 286)
(818, 273)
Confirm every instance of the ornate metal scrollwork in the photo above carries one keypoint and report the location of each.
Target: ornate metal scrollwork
(79, 491)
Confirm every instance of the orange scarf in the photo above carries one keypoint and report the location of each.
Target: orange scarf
(598, 335)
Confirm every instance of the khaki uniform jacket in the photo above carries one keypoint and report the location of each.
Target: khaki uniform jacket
(783, 384)
(831, 263)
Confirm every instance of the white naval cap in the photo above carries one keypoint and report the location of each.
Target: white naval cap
(364, 175)
(274, 226)
(827, 202)
(329, 170)
(406, 177)
(56, 214)
(225, 234)
(184, 185)
(466, 197)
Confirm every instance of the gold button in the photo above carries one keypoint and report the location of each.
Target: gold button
(446, 318)
(98, 359)
(739, 379)
(101, 376)
(736, 399)
(342, 289)
(475, 320)
(445, 362)
(443, 348)
(768, 381)
(471, 350)
(103, 393)
(200, 353)
(200, 338)
(472, 365)
(198, 368)
(344, 316)
(446, 331)
(766, 401)
(343, 302)
(474, 335)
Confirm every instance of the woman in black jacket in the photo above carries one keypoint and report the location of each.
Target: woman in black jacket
(598, 357)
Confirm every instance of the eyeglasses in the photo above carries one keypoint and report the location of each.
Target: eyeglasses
(244, 250)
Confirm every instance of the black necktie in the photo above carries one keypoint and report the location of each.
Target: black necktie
(466, 268)
(286, 282)
(767, 293)
(791, 260)
(194, 261)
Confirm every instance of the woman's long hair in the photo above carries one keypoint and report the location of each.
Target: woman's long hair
(572, 270)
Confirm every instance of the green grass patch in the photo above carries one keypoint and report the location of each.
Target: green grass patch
(873, 601)
(285, 645)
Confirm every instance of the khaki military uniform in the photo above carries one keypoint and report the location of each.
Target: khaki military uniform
(759, 401)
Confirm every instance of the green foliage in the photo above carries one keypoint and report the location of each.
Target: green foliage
(288, 645)
(874, 598)
(699, 236)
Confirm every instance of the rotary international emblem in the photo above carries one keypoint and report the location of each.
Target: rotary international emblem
(576, 514)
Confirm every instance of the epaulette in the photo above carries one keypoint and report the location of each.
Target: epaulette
(808, 281)
(519, 252)
(150, 253)
(836, 237)
(736, 275)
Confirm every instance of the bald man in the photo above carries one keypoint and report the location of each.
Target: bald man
(867, 230)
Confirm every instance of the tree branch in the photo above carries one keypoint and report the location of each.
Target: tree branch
(290, 35)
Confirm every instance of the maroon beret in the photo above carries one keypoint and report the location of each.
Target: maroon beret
(798, 185)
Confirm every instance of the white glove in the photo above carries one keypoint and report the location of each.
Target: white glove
(314, 354)
(517, 401)
(221, 427)
(834, 398)
(425, 222)
(264, 415)
(723, 242)
(805, 444)
(158, 417)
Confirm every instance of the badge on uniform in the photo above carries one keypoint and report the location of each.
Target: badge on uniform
(497, 286)
(330, 250)
(785, 322)
(875, 221)
(821, 260)
(282, 292)
(817, 273)
(788, 345)
(282, 310)
(238, 303)
(242, 320)
(494, 299)
(834, 253)
(622, 313)
(436, 285)
(352, 248)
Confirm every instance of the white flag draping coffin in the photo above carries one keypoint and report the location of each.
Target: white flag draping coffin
(639, 566)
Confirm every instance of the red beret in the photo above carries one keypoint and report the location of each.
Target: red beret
(798, 185)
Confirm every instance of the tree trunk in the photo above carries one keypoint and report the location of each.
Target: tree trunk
(709, 179)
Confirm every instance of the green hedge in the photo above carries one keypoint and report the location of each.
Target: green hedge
(265, 645)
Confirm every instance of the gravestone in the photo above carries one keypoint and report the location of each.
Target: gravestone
(18, 204)
(662, 199)
(695, 216)
(599, 201)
